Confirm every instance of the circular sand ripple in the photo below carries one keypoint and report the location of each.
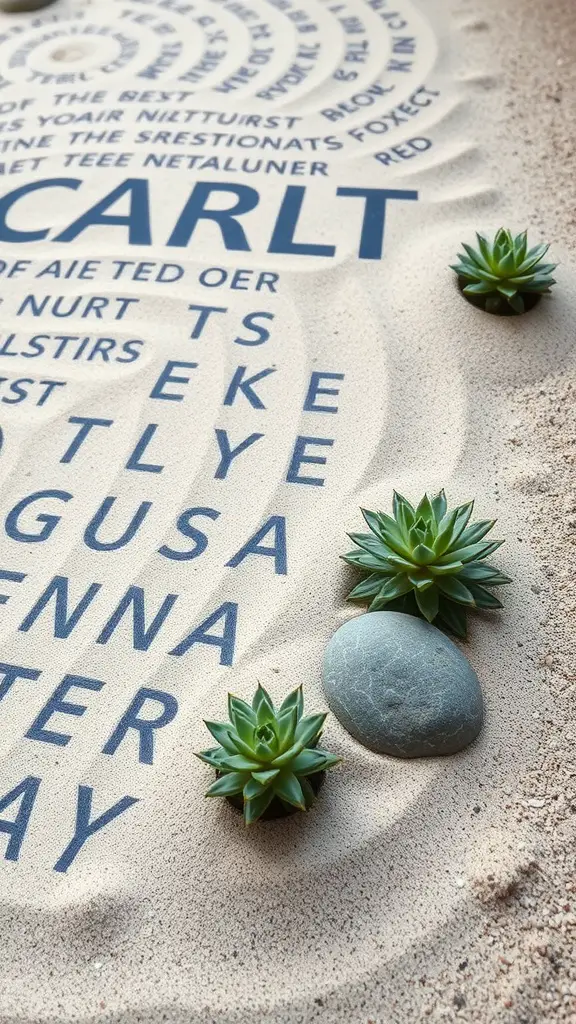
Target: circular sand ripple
(175, 913)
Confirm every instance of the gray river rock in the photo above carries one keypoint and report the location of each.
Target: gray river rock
(401, 687)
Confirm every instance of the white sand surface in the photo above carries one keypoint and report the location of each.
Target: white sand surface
(431, 889)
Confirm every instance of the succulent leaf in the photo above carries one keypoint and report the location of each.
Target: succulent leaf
(365, 559)
(241, 764)
(244, 728)
(465, 554)
(391, 533)
(445, 532)
(395, 587)
(366, 588)
(371, 544)
(293, 700)
(309, 729)
(445, 570)
(422, 554)
(480, 288)
(251, 789)
(455, 589)
(213, 757)
(439, 505)
(483, 598)
(262, 706)
(453, 617)
(263, 750)
(372, 521)
(441, 571)
(502, 272)
(403, 512)
(497, 581)
(476, 532)
(288, 788)
(478, 572)
(263, 778)
(517, 303)
(254, 808)
(310, 761)
(228, 785)
(235, 705)
(401, 563)
(222, 734)
(287, 756)
(287, 721)
(266, 753)
(420, 582)
(428, 602)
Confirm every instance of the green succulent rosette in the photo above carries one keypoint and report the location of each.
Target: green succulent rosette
(265, 753)
(503, 274)
(427, 561)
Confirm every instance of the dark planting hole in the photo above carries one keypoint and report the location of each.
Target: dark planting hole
(277, 808)
(531, 299)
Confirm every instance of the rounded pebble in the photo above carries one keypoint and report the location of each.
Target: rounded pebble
(401, 687)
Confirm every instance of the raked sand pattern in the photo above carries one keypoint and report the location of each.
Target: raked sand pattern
(368, 372)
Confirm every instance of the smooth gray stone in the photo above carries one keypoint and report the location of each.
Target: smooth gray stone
(401, 687)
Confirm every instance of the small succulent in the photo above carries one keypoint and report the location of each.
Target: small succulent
(266, 754)
(426, 561)
(501, 274)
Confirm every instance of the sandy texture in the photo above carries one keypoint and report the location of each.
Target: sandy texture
(435, 889)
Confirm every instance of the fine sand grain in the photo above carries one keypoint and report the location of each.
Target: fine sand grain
(435, 889)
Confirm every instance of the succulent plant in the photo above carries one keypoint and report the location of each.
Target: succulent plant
(501, 275)
(426, 561)
(265, 753)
